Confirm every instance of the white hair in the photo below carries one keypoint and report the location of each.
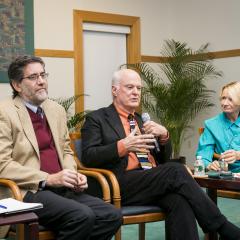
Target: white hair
(120, 74)
(117, 76)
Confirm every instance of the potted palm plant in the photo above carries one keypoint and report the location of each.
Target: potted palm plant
(74, 121)
(177, 93)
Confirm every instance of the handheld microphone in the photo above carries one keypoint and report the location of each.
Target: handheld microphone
(146, 118)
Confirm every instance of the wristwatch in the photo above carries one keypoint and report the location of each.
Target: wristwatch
(42, 185)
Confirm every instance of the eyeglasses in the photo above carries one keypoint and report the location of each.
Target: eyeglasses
(35, 76)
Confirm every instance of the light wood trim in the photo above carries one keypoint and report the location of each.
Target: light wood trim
(228, 194)
(13, 187)
(106, 18)
(116, 195)
(210, 55)
(144, 58)
(226, 53)
(78, 59)
(54, 53)
(102, 182)
(152, 59)
(133, 42)
(144, 218)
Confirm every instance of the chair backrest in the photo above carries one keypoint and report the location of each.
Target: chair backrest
(76, 145)
(94, 188)
(78, 148)
(201, 130)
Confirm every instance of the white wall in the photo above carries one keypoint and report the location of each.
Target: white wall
(192, 21)
(216, 22)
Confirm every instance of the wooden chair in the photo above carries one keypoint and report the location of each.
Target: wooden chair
(46, 234)
(131, 214)
(222, 193)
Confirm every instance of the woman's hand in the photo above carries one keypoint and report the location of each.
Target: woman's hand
(230, 156)
(214, 166)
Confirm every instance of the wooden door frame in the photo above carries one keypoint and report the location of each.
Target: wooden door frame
(133, 42)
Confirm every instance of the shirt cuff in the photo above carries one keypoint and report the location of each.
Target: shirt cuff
(122, 151)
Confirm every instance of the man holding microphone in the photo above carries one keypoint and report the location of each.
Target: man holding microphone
(116, 138)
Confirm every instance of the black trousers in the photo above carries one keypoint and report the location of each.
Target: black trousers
(75, 215)
(172, 188)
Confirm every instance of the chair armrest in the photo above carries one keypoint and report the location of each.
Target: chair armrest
(18, 196)
(13, 187)
(101, 180)
(116, 196)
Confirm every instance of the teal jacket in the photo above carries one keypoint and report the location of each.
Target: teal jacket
(220, 134)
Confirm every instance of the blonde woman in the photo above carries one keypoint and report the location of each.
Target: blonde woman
(222, 132)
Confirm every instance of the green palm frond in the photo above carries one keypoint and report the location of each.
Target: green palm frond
(177, 92)
(67, 102)
(74, 120)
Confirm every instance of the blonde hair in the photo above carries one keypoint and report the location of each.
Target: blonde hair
(233, 89)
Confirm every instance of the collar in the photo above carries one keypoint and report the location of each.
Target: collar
(32, 107)
(228, 123)
(123, 113)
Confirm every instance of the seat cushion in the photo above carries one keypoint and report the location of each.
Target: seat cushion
(136, 210)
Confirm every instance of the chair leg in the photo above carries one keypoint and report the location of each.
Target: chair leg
(20, 231)
(167, 237)
(118, 234)
(141, 230)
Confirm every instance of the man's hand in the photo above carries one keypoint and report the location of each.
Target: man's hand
(230, 156)
(65, 178)
(156, 129)
(139, 143)
(82, 183)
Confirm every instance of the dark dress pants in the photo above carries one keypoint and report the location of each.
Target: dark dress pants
(76, 215)
(171, 187)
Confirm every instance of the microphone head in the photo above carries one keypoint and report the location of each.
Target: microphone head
(145, 117)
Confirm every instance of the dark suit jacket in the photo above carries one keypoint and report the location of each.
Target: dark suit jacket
(100, 133)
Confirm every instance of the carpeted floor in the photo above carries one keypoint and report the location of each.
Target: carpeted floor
(155, 231)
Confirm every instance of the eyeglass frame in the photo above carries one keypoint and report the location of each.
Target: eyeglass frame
(35, 76)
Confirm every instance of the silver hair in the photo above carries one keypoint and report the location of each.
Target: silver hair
(117, 76)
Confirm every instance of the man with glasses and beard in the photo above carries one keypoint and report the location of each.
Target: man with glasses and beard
(35, 153)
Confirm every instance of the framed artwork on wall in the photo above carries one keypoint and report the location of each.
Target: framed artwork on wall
(16, 32)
